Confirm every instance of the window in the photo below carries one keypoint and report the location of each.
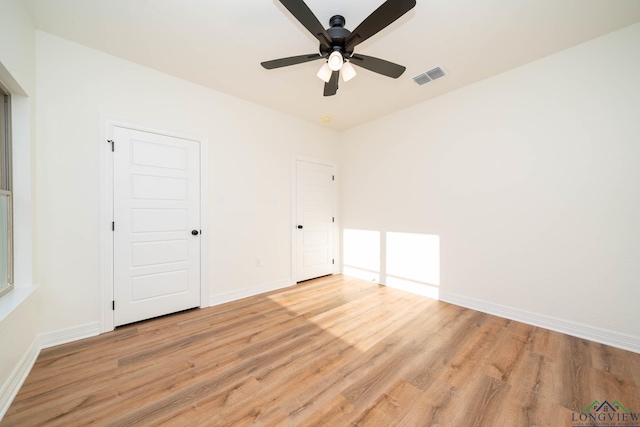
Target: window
(6, 197)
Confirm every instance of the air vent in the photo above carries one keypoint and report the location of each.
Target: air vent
(432, 74)
(422, 79)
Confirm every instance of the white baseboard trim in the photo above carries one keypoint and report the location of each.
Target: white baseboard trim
(602, 336)
(63, 336)
(12, 385)
(224, 297)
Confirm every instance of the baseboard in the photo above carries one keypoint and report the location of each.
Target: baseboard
(602, 336)
(63, 336)
(224, 297)
(12, 385)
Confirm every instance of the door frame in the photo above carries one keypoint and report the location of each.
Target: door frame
(294, 213)
(107, 126)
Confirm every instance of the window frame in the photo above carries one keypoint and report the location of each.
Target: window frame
(6, 180)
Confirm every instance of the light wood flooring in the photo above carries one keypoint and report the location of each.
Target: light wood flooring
(334, 351)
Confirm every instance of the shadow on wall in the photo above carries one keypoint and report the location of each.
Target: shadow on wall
(407, 261)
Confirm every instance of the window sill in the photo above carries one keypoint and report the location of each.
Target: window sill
(10, 302)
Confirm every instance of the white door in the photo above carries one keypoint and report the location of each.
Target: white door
(156, 218)
(314, 214)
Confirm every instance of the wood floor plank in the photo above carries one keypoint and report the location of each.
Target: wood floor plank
(443, 360)
(384, 363)
(483, 402)
(508, 351)
(575, 367)
(334, 351)
(435, 407)
(391, 406)
(334, 412)
(529, 408)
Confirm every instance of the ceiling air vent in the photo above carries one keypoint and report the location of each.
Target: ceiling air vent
(432, 74)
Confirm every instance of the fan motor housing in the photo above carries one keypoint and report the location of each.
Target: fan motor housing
(338, 34)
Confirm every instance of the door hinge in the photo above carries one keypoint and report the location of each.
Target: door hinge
(113, 226)
(113, 305)
(333, 177)
(333, 261)
(113, 144)
(333, 219)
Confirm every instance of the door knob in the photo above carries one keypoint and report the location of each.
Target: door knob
(300, 227)
(194, 232)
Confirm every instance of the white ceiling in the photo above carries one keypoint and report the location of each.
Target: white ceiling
(220, 44)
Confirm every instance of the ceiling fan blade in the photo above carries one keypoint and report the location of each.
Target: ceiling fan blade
(303, 14)
(378, 20)
(292, 60)
(332, 87)
(378, 65)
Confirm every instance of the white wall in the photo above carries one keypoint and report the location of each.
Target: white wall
(18, 309)
(530, 178)
(251, 150)
(17, 72)
(17, 43)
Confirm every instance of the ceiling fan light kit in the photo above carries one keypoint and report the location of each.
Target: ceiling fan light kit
(337, 43)
(348, 72)
(335, 60)
(324, 73)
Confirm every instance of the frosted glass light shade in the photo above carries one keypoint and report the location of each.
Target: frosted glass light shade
(348, 72)
(325, 73)
(335, 61)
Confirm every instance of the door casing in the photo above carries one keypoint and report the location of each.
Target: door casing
(106, 213)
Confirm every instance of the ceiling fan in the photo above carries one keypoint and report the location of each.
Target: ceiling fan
(337, 43)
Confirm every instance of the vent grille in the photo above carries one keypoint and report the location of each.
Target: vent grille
(432, 74)
(422, 79)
